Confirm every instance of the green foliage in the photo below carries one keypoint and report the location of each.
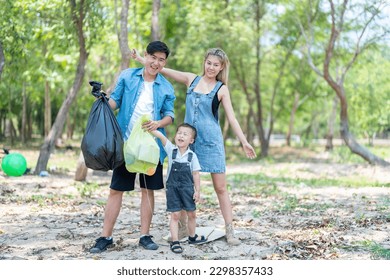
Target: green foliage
(267, 186)
(370, 104)
(41, 53)
(378, 251)
(256, 213)
(341, 154)
(87, 189)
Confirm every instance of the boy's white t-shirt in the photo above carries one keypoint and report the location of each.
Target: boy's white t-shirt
(194, 165)
(145, 105)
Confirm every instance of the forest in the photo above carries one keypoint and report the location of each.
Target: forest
(301, 71)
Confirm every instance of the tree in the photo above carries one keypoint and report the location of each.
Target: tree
(364, 40)
(122, 35)
(270, 61)
(370, 103)
(331, 121)
(78, 16)
(81, 170)
(155, 22)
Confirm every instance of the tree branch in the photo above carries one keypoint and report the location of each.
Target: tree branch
(335, 32)
(359, 49)
(309, 41)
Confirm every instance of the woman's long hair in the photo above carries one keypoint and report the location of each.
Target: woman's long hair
(223, 75)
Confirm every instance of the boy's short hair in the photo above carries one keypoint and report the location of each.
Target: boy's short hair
(157, 46)
(194, 132)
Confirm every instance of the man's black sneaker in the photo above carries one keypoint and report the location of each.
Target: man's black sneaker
(147, 242)
(102, 243)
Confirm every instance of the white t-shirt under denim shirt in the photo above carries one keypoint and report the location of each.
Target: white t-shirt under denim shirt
(145, 105)
(169, 147)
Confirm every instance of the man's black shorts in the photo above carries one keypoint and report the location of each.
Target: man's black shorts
(123, 180)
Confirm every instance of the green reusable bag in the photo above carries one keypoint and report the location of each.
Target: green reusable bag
(141, 151)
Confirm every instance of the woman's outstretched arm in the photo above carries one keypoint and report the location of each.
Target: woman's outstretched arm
(227, 105)
(179, 76)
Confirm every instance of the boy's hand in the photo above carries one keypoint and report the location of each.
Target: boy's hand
(196, 196)
(150, 125)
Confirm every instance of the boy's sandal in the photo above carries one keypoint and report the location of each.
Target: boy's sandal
(195, 240)
(176, 248)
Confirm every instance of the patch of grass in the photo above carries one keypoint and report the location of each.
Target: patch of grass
(44, 200)
(360, 217)
(299, 153)
(384, 204)
(131, 194)
(101, 202)
(317, 206)
(250, 181)
(210, 201)
(256, 213)
(87, 189)
(68, 196)
(289, 203)
(40, 199)
(253, 184)
(209, 196)
(207, 189)
(378, 251)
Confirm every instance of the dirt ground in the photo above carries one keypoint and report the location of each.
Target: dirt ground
(56, 218)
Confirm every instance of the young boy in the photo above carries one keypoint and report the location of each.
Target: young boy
(183, 183)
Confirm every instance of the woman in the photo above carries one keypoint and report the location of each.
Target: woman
(204, 95)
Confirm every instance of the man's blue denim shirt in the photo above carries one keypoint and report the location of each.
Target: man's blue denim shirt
(126, 95)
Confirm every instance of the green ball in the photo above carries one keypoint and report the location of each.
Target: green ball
(14, 164)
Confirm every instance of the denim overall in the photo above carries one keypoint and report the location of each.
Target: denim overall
(180, 185)
(209, 145)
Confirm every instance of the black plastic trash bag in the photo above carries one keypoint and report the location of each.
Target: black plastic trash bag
(102, 144)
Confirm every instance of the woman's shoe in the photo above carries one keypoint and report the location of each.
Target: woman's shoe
(230, 238)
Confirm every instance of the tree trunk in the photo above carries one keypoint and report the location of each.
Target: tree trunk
(123, 43)
(70, 125)
(23, 129)
(250, 116)
(81, 170)
(47, 116)
(2, 59)
(2, 125)
(155, 24)
(257, 88)
(29, 121)
(350, 141)
(9, 131)
(58, 126)
(292, 119)
(10, 128)
(331, 121)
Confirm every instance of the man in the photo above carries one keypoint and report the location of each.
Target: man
(139, 91)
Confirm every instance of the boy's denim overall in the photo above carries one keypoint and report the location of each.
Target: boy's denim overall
(180, 186)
